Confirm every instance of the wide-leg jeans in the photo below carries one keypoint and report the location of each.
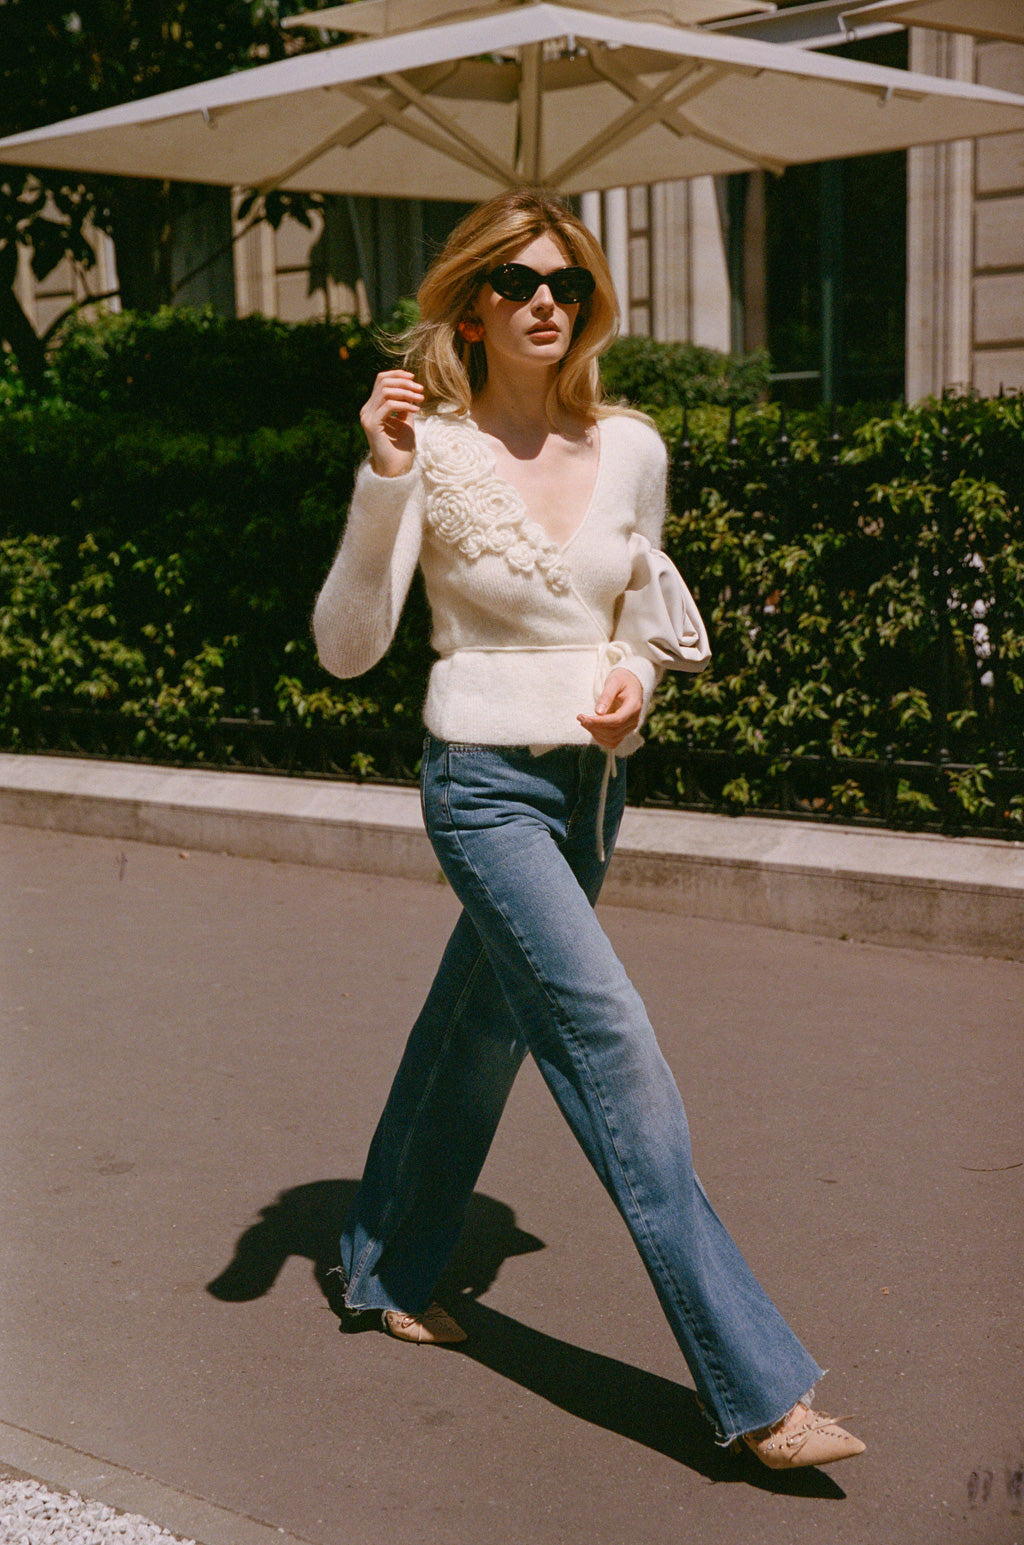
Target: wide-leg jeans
(529, 968)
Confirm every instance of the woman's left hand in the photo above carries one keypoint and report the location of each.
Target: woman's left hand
(618, 710)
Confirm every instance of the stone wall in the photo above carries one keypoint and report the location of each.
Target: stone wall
(965, 236)
(999, 234)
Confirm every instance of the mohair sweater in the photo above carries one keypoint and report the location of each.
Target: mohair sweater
(525, 628)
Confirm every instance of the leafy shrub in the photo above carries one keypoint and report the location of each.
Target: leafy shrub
(865, 599)
(63, 640)
(161, 574)
(195, 369)
(668, 375)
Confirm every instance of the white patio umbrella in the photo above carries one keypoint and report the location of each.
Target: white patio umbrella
(376, 17)
(983, 18)
(567, 97)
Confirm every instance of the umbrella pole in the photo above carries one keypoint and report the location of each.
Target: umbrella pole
(530, 99)
(831, 216)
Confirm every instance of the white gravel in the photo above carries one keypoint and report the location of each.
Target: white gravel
(32, 1515)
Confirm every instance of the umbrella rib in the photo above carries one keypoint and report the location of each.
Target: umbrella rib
(737, 147)
(648, 105)
(430, 109)
(447, 147)
(361, 125)
(367, 122)
(350, 134)
(685, 124)
(695, 78)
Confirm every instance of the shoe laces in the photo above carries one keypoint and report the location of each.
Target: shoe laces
(815, 1421)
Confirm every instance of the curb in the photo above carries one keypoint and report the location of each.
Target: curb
(959, 895)
(187, 1517)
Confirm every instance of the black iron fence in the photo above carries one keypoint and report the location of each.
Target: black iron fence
(884, 792)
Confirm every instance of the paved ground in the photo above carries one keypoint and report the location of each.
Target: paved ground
(197, 1048)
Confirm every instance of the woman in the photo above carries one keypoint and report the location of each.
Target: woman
(495, 466)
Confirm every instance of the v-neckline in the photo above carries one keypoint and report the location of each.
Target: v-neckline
(560, 547)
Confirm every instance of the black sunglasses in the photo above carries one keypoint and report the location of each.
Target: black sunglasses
(514, 281)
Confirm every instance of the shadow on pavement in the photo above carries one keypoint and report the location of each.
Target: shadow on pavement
(307, 1221)
(638, 1405)
(643, 1407)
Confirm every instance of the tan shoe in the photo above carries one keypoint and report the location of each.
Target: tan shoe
(434, 1327)
(803, 1437)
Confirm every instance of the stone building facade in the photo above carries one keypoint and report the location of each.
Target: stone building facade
(965, 235)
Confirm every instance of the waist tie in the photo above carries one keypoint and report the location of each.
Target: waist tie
(609, 655)
(611, 770)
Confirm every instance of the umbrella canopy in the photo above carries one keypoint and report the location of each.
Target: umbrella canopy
(376, 17)
(552, 95)
(983, 18)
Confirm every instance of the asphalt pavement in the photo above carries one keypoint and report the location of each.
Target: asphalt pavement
(197, 1048)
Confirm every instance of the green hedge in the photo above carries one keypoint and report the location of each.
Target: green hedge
(133, 551)
(197, 370)
(865, 600)
(861, 579)
(669, 375)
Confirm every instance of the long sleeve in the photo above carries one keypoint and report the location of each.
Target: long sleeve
(652, 498)
(652, 495)
(358, 608)
(658, 626)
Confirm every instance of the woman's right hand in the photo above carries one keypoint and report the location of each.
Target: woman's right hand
(387, 418)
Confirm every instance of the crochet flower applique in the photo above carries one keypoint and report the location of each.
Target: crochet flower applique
(471, 508)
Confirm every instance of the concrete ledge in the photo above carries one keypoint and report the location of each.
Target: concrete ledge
(295, 820)
(925, 892)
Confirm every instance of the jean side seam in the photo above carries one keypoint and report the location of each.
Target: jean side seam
(391, 1219)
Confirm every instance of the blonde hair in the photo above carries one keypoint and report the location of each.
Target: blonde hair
(451, 369)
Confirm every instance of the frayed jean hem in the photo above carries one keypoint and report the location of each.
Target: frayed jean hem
(807, 1399)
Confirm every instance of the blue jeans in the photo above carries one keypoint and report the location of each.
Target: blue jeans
(529, 968)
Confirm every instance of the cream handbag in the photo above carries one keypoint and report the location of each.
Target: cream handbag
(659, 617)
